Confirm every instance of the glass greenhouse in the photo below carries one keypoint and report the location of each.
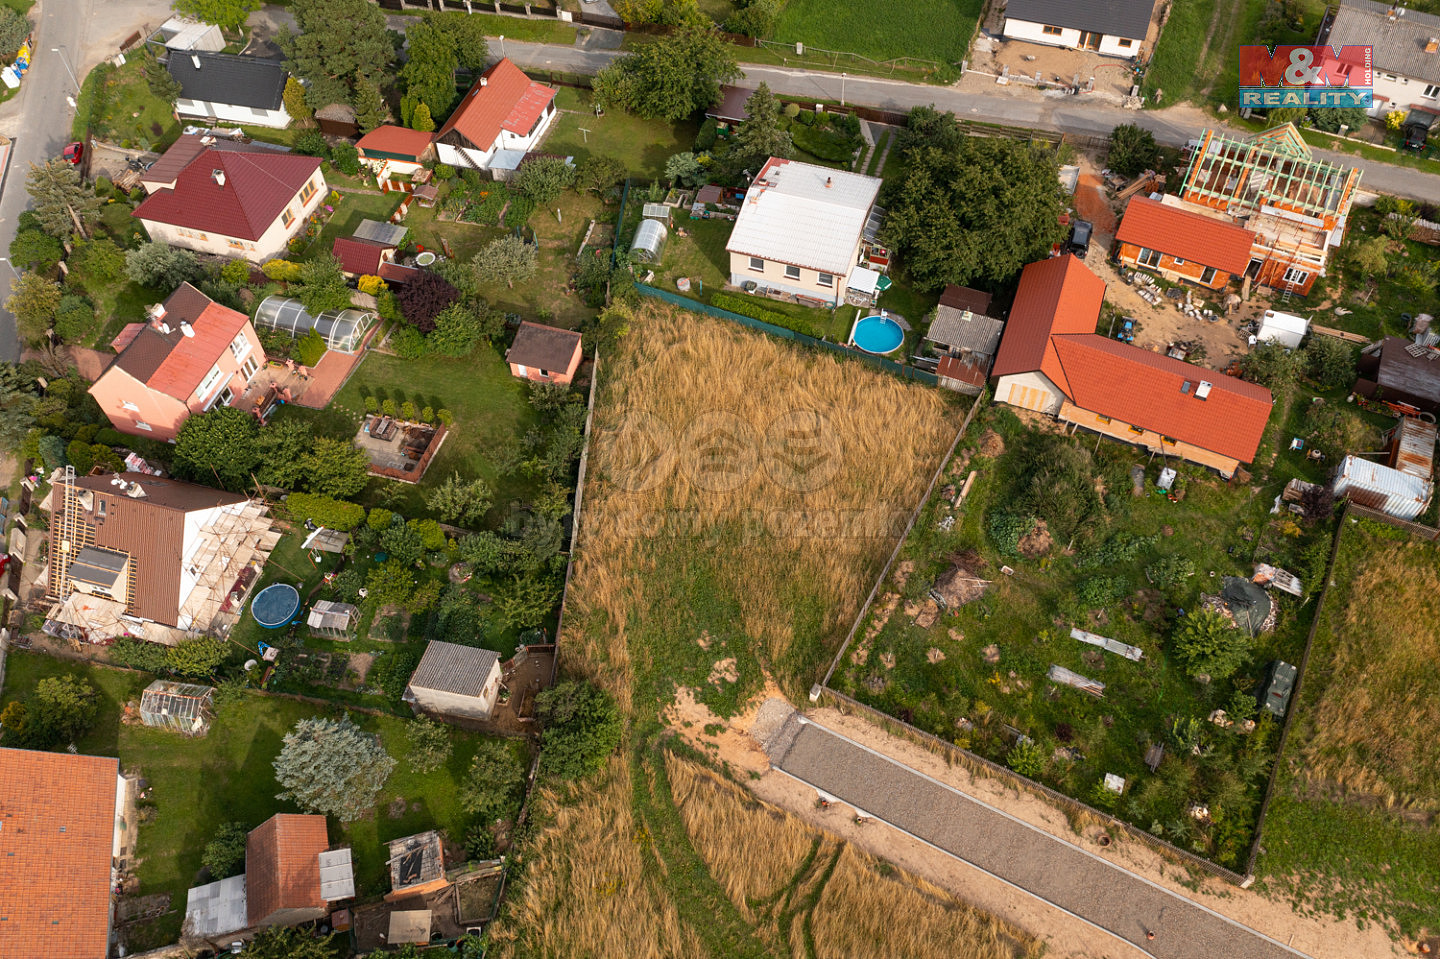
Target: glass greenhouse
(343, 330)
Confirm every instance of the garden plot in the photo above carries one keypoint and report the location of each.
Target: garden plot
(973, 638)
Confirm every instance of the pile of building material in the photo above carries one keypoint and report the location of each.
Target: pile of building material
(1059, 674)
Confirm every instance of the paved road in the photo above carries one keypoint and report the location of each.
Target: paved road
(1036, 862)
(1173, 126)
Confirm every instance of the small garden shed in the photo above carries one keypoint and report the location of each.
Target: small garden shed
(343, 330)
(179, 707)
(335, 620)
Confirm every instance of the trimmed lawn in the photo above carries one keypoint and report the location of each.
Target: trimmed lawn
(353, 208)
(131, 115)
(642, 146)
(532, 31)
(883, 29)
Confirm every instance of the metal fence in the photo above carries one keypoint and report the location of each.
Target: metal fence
(1414, 529)
(575, 515)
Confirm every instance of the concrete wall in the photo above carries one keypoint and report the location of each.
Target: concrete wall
(228, 113)
(1149, 439)
(452, 704)
(271, 243)
(1035, 33)
(1173, 269)
(773, 276)
(1029, 391)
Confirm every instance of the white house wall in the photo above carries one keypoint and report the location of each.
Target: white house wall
(1401, 93)
(272, 242)
(464, 157)
(1035, 33)
(229, 113)
(1031, 391)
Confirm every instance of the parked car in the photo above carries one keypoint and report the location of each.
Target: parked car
(1417, 126)
(73, 152)
(1080, 238)
(1279, 684)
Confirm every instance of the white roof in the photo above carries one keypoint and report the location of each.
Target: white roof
(1286, 321)
(337, 875)
(218, 907)
(187, 33)
(1398, 488)
(866, 281)
(804, 215)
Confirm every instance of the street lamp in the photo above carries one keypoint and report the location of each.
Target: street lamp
(842, 89)
(7, 262)
(65, 60)
(502, 46)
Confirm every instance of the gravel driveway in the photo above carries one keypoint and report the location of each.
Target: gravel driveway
(1036, 862)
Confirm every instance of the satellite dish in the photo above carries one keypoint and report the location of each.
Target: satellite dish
(251, 664)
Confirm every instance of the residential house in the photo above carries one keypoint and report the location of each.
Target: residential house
(966, 338)
(361, 257)
(391, 149)
(1052, 361)
(544, 354)
(1182, 244)
(291, 876)
(1115, 28)
(1398, 371)
(1404, 49)
(504, 110)
(462, 682)
(1297, 206)
(62, 829)
(192, 356)
(235, 204)
(150, 558)
(164, 172)
(220, 87)
(800, 229)
(180, 35)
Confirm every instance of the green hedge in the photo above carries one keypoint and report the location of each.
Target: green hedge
(822, 143)
(747, 307)
(324, 511)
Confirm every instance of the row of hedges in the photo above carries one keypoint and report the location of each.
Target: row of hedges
(747, 307)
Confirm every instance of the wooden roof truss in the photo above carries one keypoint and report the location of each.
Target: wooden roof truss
(1249, 175)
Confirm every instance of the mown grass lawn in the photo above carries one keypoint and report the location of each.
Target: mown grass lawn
(884, 29)
(642, 146)
(129, 113)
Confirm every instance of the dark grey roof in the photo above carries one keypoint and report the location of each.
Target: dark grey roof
(543, 347)
(451, 668)
(1398, 47)
(375, 231)
(963, 330)
(236, 81)
(99, 567)
(1116, 18)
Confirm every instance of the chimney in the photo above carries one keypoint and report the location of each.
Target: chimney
(195, 60)
(186, 329)
(219, 177)
(155, 311)
(1432, 45)
(484, 81)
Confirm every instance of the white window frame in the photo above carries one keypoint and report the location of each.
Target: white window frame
(1148, 257)
(1207, 275)
(1432, 91)
(240, 347)
(208, 384)
(130, 406)
(224, 398)
(1178, 261)
(1295, 275)
(826, 279)
(792, 272)
(249, 368)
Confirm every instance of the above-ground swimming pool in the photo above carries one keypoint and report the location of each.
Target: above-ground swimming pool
(877, 334)
(273, 606)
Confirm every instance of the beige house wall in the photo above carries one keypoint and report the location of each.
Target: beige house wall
(1149, 439)
(453, 704)
(1029, 391)
(271, 243)
(773, 275)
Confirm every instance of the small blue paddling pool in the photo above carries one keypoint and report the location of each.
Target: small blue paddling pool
(275, 605)
(877, 334)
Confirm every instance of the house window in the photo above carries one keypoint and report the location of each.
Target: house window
(140, 425)
(130, 406)
(208, 383)
(1178, 261)
(827, 279)
(1207, 276)
(1050, 31)
(1168, 440)
(792, 272)
(1389, 76)
(248, 368)
(240, 347)
(235, 244)
(222, 398)
(1149, 257)
(307, 191)
(757, 264)
(99, 509)
(1136, 430)
(287, 218)
(1296, 275)
(1124, 44)
(1432, 91)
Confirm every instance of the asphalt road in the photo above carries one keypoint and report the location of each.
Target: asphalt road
(1035, 862)
(1171, 126)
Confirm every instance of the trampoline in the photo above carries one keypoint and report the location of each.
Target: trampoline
(275, 605)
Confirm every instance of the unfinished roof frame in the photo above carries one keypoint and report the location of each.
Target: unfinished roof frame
(1245, 175)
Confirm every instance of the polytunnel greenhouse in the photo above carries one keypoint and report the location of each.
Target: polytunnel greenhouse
(343, 330)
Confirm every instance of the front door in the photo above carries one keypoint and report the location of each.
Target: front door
(1253, 270)
(1090, 41)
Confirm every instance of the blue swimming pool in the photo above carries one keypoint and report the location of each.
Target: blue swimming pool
(877, 334)
(274, 605)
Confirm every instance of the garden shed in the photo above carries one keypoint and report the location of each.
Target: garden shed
(1287, 329)
(179, 707)
(335, 620)
(343, 330)
(650, 240)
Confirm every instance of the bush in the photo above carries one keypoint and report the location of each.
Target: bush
(225, 852)
(429, 744)
(324, 511)
(748, 307)
(73, 318)
(1007, 529)
(35, 250)
(284, 271)
(310, 348)
(1328, 361)
(1097, 592)
(138, 654)
(480, 843)
(1210, 645)
(1171, 570)
(792, 110)
(1132, 150)
(582, 726)
(380, 519)
(705, 139)
(346, 158)
(312, 143)
(410, 344)
(444, 171)
(371, 285)
(407, 411)
(1027, 757)
(491, 790)
(236, 272)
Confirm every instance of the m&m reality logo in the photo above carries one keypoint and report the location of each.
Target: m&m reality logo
(1311, 76)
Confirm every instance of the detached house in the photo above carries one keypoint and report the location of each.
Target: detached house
(391, 149)
(1052, 361)
(544, 354)
(219, 87)
(504, 111)
(1404, 46)
(1182, 244)
(1115, 28)
(1271, 184)
(800, 230)
(235, 204)
(150, 558)
(193, 356)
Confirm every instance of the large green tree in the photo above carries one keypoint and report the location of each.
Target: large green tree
(471, 49)
(342, 46)
(582, 726)
(459, 501)
(336, 468)
(760, 137)
(60, 200)
(224, 854)
(1209, 644)
(428, 76)
(162, 266)
(322, 285)
(58, 711)
(491, 790)
(217, 448)
(34, 300)
(281, 448)
(507, 259)
(332, 767)
(976, 214)
(543, 179)
(229, 14)
(670, 78)
(17, 405)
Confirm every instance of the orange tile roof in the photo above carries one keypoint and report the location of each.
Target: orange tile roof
(1185, 234)
(1147, 389)
(1058, 295)
(503, 99)
(57, 833)
(394, 141)
(282, 865)
(361, 257)
(187, 364)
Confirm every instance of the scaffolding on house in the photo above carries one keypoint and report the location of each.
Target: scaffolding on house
(232, 550)
(1271, 172)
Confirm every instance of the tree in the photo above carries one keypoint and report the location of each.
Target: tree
(323, 285)
(422, 119)
(1331, 119)
(226, 14)
(294, 99)
(598, 174)
(342, 47)
(162, 266)
(582, 726)
(543, 179)
(96, 261)
(472, 52)
(755, 18)
(60, 200)
(288, 942)
(423, 297)
(336, 468)
(35, 249)
(224, 854)
(73, 317)
(1270, 365)
(390, 584)
(1281, 115)
(684, 169)
(1132, 150)
(1369, 256)
(280, 449)
(1328, 361)
(333, 767)
(457, 330)
(506, 259)
(370, 109)
(459, 501)
(670, 78)
(14, 28)
(197, 657)
(1210, 645)
(17, 405)
(429, 744)
(525, 600)
(59, 711)
(762, 135)
(218, 448)
(34, 300)
(428, 76)
(976, 213)
(491, 789)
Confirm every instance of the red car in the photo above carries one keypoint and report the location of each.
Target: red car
(73, 152)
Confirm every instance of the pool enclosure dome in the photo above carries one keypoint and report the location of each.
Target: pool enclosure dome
(343, 330)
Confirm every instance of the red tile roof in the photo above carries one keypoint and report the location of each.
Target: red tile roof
(1147, 389)
(395, 141)
(194, 356)
(503, 99)
(57, 833)
(1058, 295)
(361, 257)
(282, 865)
(257, 187)
(1189, 236)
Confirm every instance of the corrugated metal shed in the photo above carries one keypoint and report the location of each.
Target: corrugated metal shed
(217, 907)
(452, 668)
(1380, 487)
(1412, 448)
(337, 875)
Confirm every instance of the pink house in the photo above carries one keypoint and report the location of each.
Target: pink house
(544, 354)
(192, 356)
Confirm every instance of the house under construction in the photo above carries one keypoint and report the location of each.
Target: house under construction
(150, 558)
(1296, 205)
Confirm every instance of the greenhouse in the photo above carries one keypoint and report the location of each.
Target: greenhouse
(179, 707)
(343, 330)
